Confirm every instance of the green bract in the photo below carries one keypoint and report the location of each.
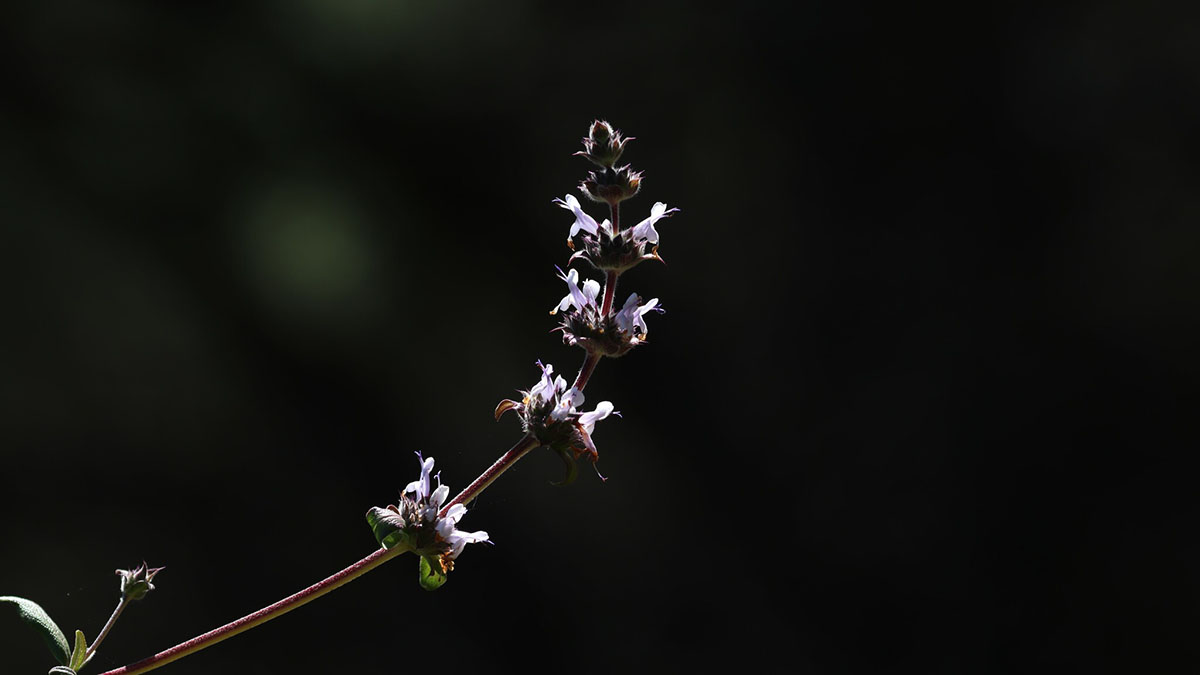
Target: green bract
(387, 528)
(432, 573)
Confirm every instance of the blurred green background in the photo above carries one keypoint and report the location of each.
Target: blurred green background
(927, 361)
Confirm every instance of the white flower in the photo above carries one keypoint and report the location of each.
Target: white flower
(644, 231)
(577, 297)
(548, 388)
(588, 420)
(630, 319)
(587, 423)
(552, 391)
(455, 538)
(582, 220)
(420, 505)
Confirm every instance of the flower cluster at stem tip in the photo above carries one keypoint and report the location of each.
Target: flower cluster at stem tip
(550, 411)
(588, 319)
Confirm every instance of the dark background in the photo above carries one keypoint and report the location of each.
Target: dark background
(928, 357)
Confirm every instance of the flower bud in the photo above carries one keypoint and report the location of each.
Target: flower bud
(611, 186)
(136, 583)
(603, 145)
(601, 132)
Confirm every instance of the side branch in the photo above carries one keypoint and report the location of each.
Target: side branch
(262, 616)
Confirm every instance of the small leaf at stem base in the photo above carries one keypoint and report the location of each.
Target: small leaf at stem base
(80, 650)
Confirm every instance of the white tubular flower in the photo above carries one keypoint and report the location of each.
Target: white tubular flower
(419, 488)
(567, 402)
(630, 319)
(644, 231)
(582, 220)
(548, 388)
(588, 420)
(455, 538)
(577, 297)
(587, 423)
(418, 514)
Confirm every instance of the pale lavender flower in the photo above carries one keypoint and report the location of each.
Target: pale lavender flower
(644, 231)
(630, 320)
(577, 297)
(582, 220)
(587, 423)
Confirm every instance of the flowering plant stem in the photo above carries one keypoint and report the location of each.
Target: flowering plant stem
(493, 472)
(262, 616)
(212, 637)
(610, 279)
(612, 144)
(125, 599)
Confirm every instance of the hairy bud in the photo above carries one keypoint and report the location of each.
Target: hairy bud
(603, 145)
(611, 186)
(136, 583)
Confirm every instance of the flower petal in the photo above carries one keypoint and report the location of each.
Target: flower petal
(582, 220)
(456, 512)
(439, 496)
(644, 231)
(591, 289)
(589, 419)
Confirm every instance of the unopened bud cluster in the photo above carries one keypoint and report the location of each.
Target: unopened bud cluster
(603, 145)
(611, 184)
(137, 582)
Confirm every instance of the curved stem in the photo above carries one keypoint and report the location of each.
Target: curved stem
(485, 479)
(263, 615)
(586, 370)
(107, 627)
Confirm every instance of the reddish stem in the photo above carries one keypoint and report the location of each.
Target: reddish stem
(585, 371)
(610, 279)
(610, 290)
(500, 466)
(263, 615)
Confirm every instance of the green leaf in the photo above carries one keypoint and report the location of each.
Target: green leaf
(33, 614)
(61, 670)
(432, 575)
(80, 650)
(385, 525)
(569, 461)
